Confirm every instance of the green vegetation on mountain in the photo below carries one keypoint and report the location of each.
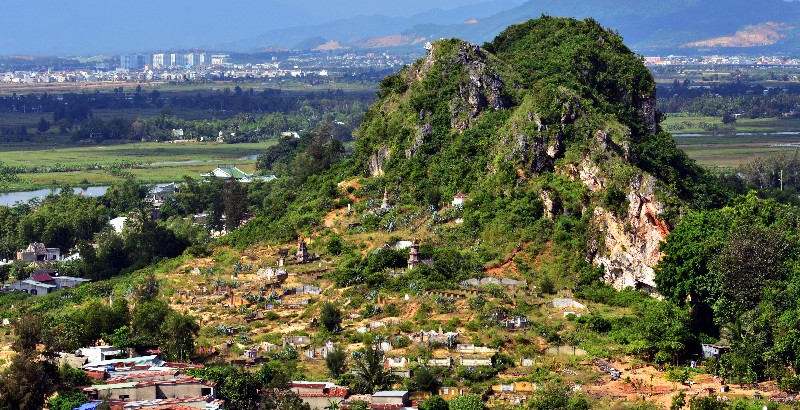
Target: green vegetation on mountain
(550, 134)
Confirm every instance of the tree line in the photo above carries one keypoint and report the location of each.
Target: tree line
(244, 115)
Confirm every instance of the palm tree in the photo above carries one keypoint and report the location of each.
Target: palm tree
(369, 371)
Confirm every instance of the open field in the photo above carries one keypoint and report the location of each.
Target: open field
(729, 151)
(156, 162)
(737, 143)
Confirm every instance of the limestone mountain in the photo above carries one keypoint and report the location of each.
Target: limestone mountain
(551, 130)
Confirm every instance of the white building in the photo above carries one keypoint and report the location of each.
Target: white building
(160, 60)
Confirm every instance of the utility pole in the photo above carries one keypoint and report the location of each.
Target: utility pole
(781, 180)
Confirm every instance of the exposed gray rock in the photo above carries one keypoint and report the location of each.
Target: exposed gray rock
(376, 161)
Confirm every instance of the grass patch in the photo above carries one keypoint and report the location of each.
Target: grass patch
(156, 162)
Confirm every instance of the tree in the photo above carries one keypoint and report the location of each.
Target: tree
(70, 377)
(177, 335)
(661, 331)
(147, 320)
(234, 196)
(359, 405)
(240, 389)
(728, 118)
(547, 286)
(677, 375)
(43, 125)
(330, 316)
(706, 403)
(147, 289)
(370, 374)
(752, 257)
(125, 196)
(336, 361)
(678, 401)
(26, 383)
(425, 380)
(66, 401)
(278, 394)
(434, 403)
(27, 329)
(557, 398)
(467, 402)
(121, 338)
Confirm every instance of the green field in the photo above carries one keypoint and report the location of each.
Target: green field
(736, 143)
(156, 162)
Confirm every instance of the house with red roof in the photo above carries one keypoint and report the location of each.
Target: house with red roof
(459, 199)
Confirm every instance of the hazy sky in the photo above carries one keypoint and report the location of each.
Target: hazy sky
(106, 26)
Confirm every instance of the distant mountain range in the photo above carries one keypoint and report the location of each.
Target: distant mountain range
(648, 26)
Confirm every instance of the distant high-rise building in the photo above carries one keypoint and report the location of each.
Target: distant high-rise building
(193, 59)
(134, 61)
(178, 60)
(160, 60)
(220, 59)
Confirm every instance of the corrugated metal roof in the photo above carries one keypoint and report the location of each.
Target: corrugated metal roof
(390, 393)
(39, 284)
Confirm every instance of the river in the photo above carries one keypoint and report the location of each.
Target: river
(11, 198)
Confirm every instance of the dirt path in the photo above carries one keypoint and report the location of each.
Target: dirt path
(329, 221)
(652, 386)
(350, 183)
(500, 270)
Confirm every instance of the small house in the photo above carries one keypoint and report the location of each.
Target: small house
(390, 399)
(319, 395)
(712, 350)
(99, 353)
(459, 199)
(30, 286)
(38, 252)
(118, 223)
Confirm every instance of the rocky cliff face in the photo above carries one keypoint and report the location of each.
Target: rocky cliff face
(629, 246)
(482, 89)
(626, 244)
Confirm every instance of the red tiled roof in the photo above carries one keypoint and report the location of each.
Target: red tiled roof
(41, 277)
(169, 404)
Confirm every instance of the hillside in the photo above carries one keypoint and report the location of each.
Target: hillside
(471, 239)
